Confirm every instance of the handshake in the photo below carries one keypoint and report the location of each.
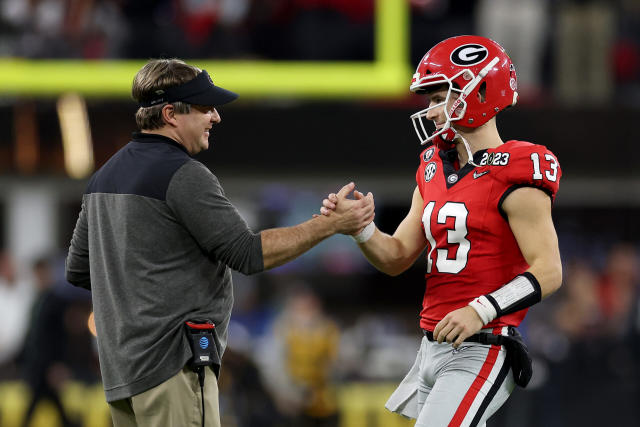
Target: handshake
(348, 215)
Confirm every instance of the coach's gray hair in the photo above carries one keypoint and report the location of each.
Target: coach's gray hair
(160, 74)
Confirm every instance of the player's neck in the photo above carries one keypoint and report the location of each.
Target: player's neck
(482, 138)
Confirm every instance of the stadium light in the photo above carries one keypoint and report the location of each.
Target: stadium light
(76, 136)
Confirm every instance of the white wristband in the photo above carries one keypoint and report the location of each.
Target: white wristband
(366, 233)
(484, 308)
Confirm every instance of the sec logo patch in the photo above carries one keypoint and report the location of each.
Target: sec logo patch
(428, 154)
(430, 171)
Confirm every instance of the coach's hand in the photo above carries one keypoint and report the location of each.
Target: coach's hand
(329, 204)
(457, 326)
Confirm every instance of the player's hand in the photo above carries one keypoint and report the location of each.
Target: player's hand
(350, 216)
(457, 326)
(368, 200)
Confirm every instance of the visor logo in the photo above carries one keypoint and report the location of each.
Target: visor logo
(469, 54)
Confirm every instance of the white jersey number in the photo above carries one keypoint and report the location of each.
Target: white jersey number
(455, 236)
(551, 173)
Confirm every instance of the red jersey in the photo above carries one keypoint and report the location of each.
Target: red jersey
(471, 250)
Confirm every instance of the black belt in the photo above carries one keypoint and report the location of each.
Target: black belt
(482, 338)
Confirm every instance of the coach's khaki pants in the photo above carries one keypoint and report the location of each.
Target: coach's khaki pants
(174, 403)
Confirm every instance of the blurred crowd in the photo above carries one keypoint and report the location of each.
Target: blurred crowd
(587, 343)
(44, 336)
(276, 29)
(581, 51)
(290, 353)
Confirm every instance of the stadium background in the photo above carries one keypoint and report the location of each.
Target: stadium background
(324, 100)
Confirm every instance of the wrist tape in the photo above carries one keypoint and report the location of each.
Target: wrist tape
(366, 233)
(521, 292)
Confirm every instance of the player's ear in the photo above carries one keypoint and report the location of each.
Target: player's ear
(482, 93)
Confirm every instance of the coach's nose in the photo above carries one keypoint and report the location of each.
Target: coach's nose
(215, 116)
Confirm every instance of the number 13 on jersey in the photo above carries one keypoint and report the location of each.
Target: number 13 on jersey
(551, 174)
(456, 236)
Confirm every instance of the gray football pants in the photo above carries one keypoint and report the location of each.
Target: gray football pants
(449, 387)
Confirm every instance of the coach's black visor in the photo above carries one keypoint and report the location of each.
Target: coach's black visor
(199, 91)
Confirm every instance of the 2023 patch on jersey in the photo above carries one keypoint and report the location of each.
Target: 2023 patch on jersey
(471, 250)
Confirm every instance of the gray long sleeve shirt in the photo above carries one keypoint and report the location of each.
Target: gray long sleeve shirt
(154, 242)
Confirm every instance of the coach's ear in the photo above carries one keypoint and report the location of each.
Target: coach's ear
(169, 115)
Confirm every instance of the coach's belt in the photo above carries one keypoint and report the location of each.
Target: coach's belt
(482, 338)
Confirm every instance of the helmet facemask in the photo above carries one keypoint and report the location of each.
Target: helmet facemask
(444, 136)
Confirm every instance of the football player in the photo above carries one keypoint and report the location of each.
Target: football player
(482, 209)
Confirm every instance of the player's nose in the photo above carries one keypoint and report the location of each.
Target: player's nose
(433, 113)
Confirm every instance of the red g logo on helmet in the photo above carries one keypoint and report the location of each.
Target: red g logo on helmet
(469, 54)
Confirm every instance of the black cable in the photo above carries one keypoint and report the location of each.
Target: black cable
(201, 381)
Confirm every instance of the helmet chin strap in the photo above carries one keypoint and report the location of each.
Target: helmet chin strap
(466, 146)
(450, 134)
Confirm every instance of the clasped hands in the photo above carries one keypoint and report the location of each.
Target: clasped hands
(350, 216)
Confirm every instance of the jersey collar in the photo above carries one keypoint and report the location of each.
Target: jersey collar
(154, 137)
(449, 160)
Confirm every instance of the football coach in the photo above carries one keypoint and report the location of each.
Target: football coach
(154, 243)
